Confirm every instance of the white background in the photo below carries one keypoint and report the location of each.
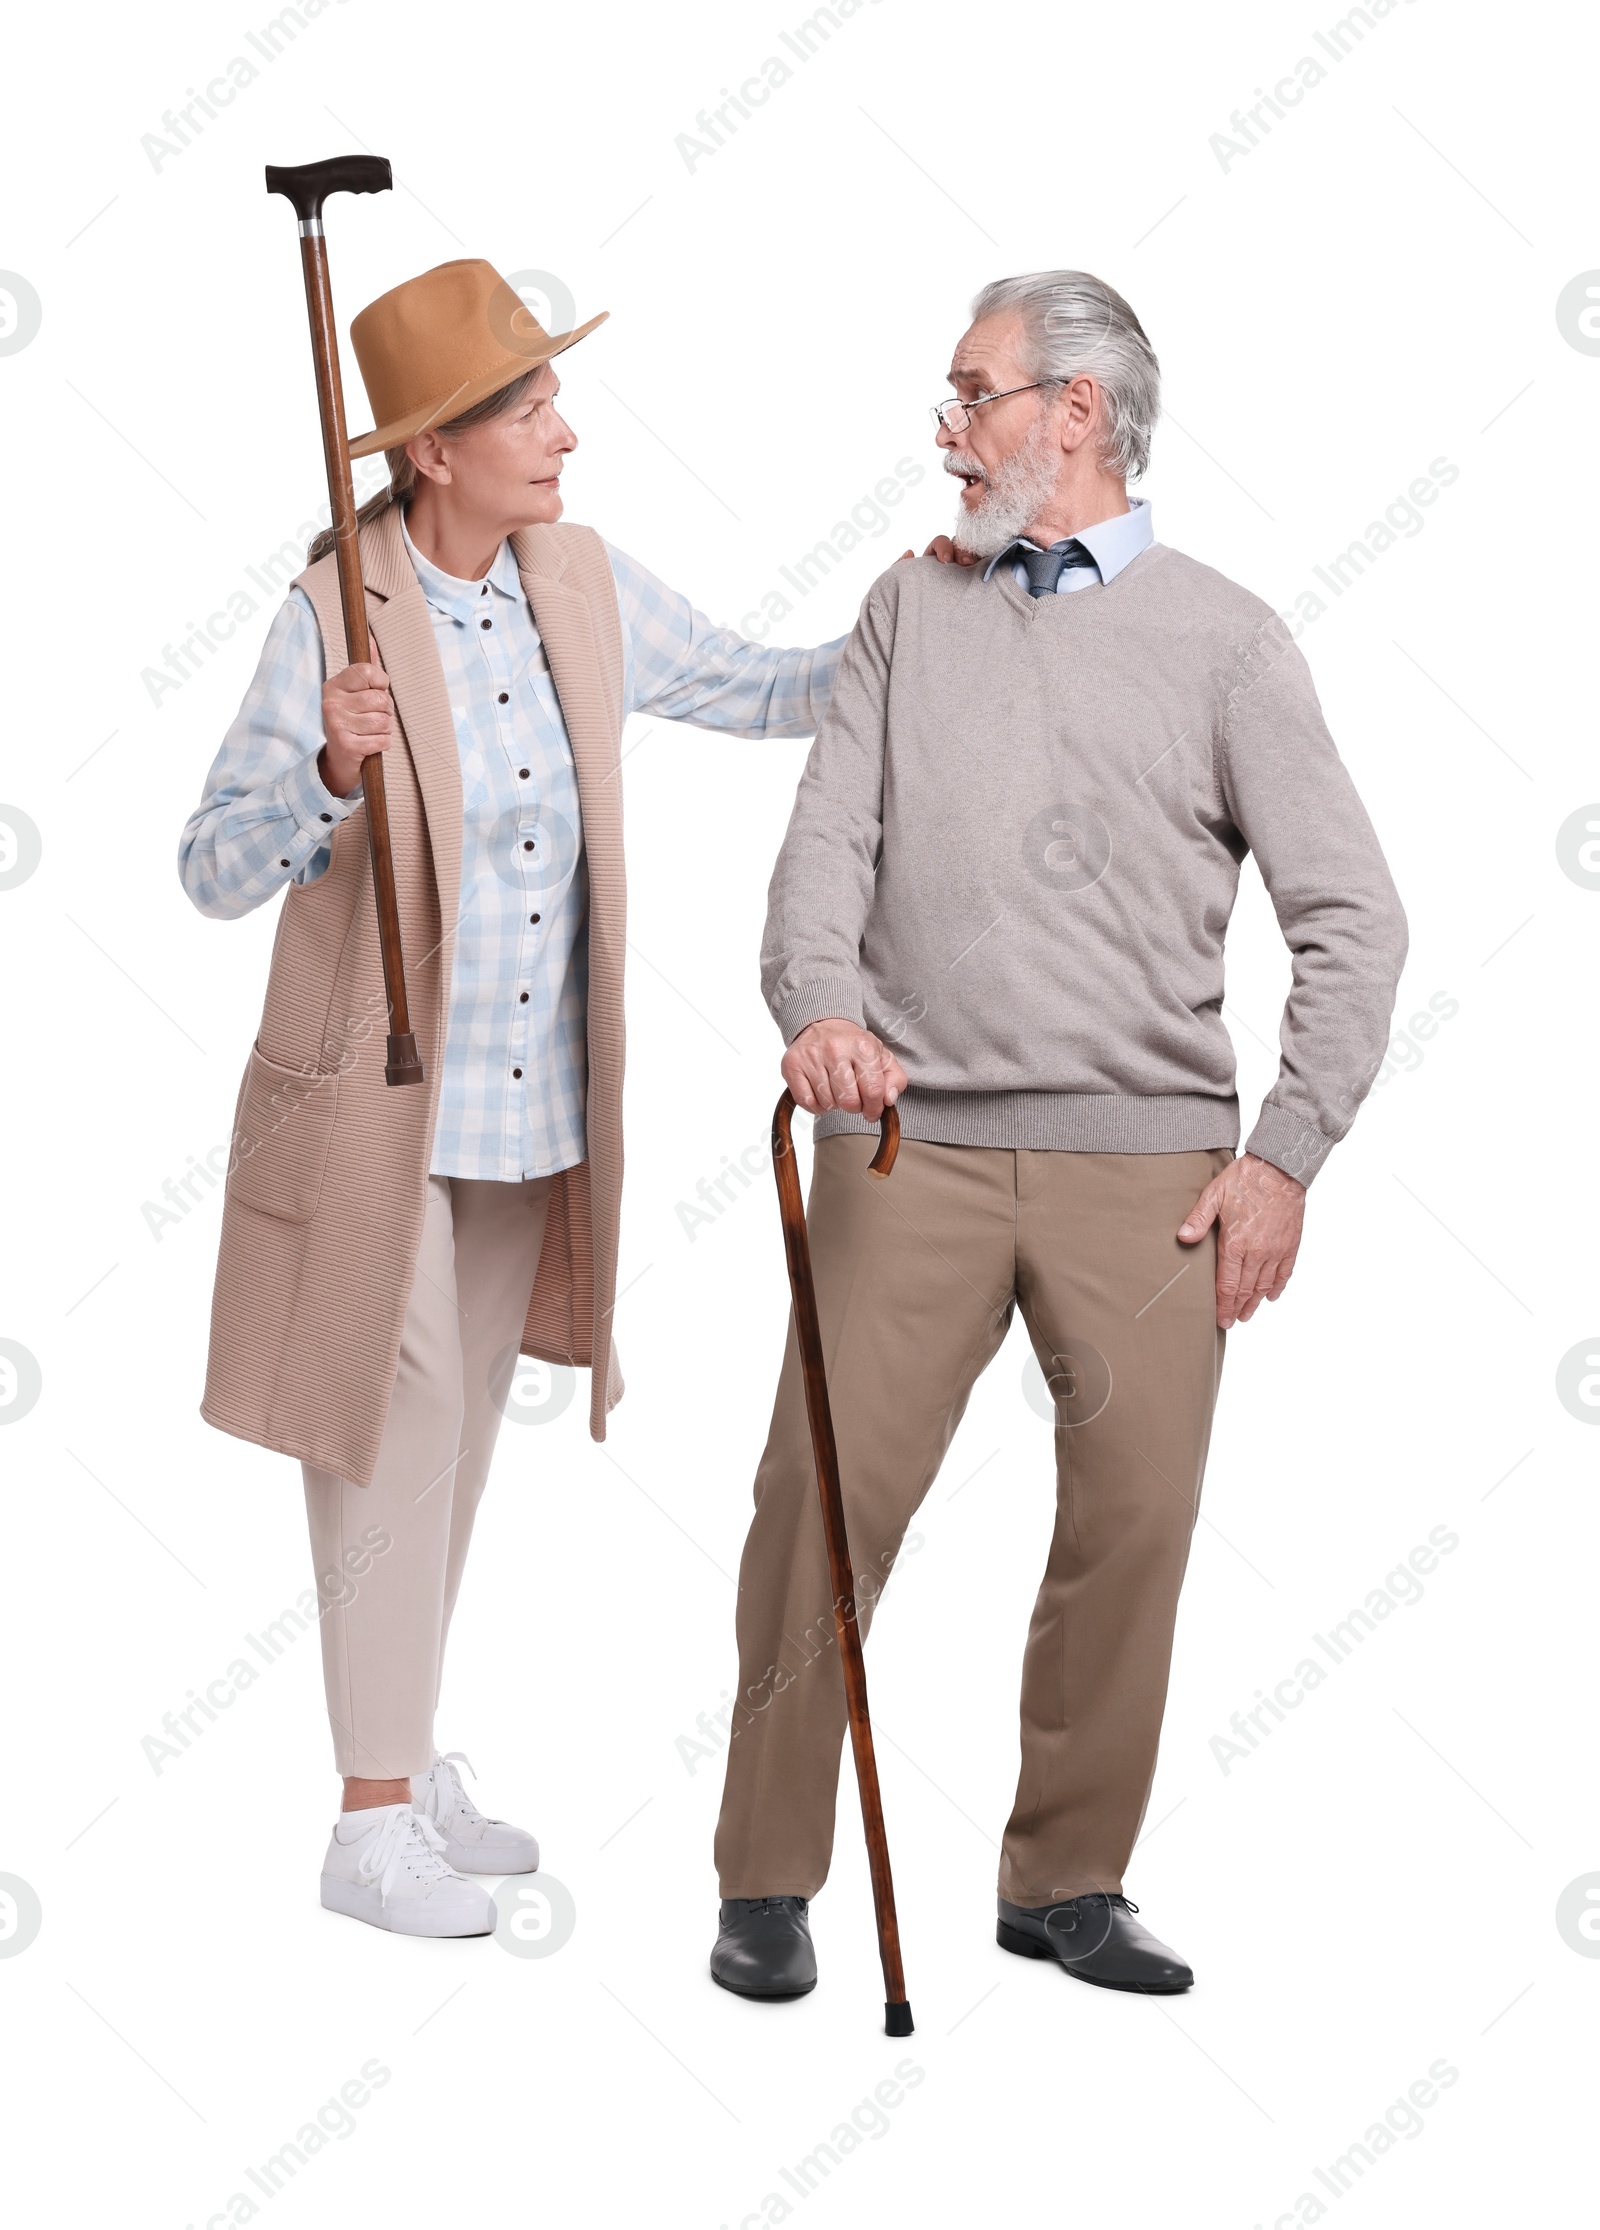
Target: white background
(1373, 1888)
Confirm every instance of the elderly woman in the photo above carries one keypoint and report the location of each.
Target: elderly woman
(387, 1255)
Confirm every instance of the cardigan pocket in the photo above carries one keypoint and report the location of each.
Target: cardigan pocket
(280, 1139)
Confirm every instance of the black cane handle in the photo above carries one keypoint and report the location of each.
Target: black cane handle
(308, 185)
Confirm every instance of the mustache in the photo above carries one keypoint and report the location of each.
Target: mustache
(963, 468)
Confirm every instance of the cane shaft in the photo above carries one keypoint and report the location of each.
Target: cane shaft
(403, 1066)
(808, 1333)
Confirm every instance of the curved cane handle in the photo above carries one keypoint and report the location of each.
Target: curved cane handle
(882, 1161)
(888, 1146)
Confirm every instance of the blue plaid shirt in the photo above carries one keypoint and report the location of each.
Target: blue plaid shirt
(515, 1071)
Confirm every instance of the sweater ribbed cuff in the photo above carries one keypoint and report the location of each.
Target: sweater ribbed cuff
(819, 999)
(1290, 1145)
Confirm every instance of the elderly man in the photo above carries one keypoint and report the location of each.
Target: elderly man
(1013, 858)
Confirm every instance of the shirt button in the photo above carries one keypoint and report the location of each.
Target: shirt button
(516, 1072)
(522, 998)
(528, 844)
(327, 816)
(531, 917)
(484, 590)
(522, 771)
(486, 623)
(284, 863)
(504, 697)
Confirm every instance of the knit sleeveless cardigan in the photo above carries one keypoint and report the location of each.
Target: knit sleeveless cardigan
(328, 1177)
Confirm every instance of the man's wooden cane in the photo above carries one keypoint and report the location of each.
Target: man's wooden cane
(308, 185)
(897, 2013)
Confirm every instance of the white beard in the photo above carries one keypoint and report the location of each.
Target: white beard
(1014, 493)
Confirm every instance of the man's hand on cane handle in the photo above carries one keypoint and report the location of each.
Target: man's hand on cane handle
(839, 1064)
(357, 720)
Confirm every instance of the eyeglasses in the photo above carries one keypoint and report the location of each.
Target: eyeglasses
(955, 416)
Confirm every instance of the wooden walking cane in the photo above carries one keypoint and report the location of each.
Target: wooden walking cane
(308, 185)
(897, 2013)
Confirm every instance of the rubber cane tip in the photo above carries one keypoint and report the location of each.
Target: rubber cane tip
(897, 2019)
(404, 1063)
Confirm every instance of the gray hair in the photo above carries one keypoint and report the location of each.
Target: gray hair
(403, 473)
(1074, 323)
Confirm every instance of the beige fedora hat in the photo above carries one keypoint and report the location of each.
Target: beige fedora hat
(432, 348)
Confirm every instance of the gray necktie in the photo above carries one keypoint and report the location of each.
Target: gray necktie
(1045, 567)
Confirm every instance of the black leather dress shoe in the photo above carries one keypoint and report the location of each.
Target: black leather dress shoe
(1096, 1938)
(763, 1948)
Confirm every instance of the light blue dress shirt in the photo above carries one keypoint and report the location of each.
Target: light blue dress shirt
(1113, 543)
(514, 1076)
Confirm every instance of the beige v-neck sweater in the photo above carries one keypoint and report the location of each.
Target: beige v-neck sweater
(1015, 850)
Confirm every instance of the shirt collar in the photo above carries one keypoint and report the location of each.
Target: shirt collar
(462, 600)
(1112, 543)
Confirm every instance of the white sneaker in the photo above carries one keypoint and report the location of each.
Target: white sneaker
(472, 1844)
(386, 1865)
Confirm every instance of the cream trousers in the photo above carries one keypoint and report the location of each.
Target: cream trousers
(389, 1557)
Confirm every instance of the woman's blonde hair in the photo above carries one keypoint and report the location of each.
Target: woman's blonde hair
(403, 473)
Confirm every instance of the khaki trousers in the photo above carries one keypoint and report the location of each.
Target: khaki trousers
(917, 1279)
(389, 1557)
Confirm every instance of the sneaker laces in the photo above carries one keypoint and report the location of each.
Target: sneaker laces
(407, 1842)
(453, 1796)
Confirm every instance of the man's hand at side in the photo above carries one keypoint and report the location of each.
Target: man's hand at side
(838, 1064)
(1258, 1211)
